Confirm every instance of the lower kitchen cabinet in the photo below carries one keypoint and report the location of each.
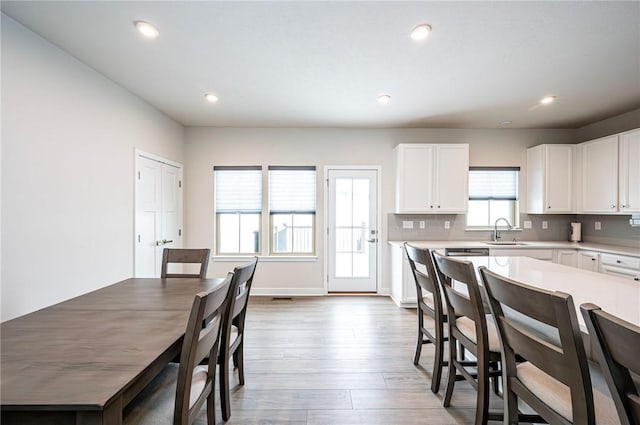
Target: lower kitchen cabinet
(403, 287)
(588, 260)
(566, 257)
(620, 265)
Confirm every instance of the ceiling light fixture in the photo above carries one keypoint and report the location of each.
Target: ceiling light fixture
(211, 97)
(384, 98)
(421, 32)
(146, 29)
(547, 100)
(505, 123)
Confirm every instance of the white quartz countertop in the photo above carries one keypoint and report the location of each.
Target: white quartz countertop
(586, 246)
(618, 296)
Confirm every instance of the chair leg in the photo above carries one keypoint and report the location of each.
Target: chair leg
(482, 404)
(211, 406)
(239, 355)
(451, 377)
(416, 358)
(225, 402)
(436, 375)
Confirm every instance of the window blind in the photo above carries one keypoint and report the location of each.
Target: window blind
(238, 189)
(292, 190)
(493, 183)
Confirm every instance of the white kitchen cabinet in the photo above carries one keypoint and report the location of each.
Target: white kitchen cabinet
(620, 265)
(588, 260)
(600, 175)
(431, 178)
(629, 172)
(550, 179)
(611, 175)
(567, 257)
(403, 288)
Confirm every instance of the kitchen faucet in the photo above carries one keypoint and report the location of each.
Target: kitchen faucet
(496, 234)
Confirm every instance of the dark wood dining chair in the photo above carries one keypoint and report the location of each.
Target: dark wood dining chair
(554, 380)
(187, 386)
(471, 331)
(232, 339)
(185, 256)
(616, 344)
(429, 304)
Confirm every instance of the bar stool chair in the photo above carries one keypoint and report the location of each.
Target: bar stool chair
(429, 304)
(541, 327)
(616, 343)
(185, 256)
(471, 331)
(179, 392)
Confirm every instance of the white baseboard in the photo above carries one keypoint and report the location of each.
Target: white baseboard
(287, 292)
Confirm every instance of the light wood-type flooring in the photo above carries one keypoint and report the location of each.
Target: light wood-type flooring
(339, 360)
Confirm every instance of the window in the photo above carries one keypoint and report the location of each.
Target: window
(292, 209)
(238, 206)
(493, 193)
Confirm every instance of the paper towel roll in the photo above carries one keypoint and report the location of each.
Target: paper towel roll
(576, 232)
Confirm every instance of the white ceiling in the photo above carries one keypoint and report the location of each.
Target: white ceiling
(322, 64)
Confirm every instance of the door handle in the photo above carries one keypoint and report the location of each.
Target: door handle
(374, 240)
(164, 241)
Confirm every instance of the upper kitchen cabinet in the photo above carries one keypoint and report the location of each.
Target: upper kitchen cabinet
(550, 179)
(629, 172)
(431, 178)
(610, 174)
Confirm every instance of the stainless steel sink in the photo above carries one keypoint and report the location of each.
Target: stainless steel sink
(505, 243)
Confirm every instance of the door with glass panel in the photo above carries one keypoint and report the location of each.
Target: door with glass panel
(352, 234)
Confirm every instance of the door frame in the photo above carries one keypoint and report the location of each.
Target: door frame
(325, 226)
(140, 153)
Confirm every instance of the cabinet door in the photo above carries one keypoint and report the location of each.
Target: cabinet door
(414, 178)
(600, 175)
(588, 261)
(558, 179)
(629, 172)
(452, 178)
(567, 257)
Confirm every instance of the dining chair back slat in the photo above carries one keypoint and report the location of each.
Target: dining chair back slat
(616, 344)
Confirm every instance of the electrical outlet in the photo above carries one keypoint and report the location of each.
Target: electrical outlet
(598, 225)
(545, 224)
(447, 224)
(406, 224)
(527, 224)
(422, 224)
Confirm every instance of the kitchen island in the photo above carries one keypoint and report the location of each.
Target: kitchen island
(608, 261)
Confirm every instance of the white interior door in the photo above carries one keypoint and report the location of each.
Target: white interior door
(158, 217)
(352, 234)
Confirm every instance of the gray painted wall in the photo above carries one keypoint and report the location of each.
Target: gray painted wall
(68, 140)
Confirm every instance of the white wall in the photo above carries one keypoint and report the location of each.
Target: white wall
(206, 147)
(68, 137)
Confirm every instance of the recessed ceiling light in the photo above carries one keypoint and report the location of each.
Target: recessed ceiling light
(548, 100)
(504, 123)
(211, 97)
(421, 32)
(146, 29)
(385, 98)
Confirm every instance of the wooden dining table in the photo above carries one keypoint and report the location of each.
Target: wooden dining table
(81, 361)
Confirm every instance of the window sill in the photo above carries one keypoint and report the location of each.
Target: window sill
(265, 259)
